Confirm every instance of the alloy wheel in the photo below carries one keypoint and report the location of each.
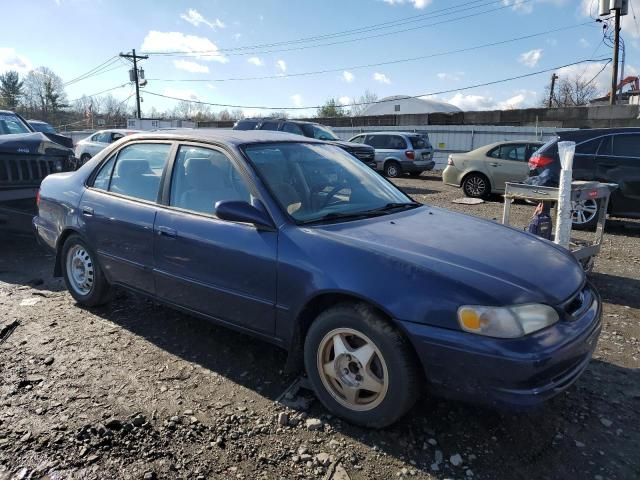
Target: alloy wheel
(475, 186)
(583, 211)
(352, 369)
(80, 271)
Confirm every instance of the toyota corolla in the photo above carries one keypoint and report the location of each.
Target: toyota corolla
(375, 296)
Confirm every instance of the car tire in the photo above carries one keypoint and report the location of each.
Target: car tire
(584, 214)
(84, 158)
(82, 273)
(392, 169)
(373, 353)
(476, 185)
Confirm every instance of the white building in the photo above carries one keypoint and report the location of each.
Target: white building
(403, 105)
(155, 123)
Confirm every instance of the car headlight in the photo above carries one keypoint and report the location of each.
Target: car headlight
(506, 322)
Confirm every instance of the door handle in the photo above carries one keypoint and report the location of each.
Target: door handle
(167, 232)
(87, 211)
(493, 164)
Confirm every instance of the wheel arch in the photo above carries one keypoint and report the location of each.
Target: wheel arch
(477, 172)
(57, 266)
(310, 311)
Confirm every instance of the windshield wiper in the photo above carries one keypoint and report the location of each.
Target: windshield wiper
(376, 212)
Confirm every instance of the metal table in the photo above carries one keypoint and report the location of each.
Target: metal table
(585, 251)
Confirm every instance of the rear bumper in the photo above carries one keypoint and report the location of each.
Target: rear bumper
(418, 166)
(516, 373)
(451, 176)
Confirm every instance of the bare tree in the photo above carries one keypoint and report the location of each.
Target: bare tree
(570, 91)
(237, 114)
(360, 104)
(44, 93)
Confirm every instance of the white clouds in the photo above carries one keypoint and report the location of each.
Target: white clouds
(179, 42)
(521, 6)
(188, 66)
(255, 61)
(348, 76)
(584, 43)
(195, 18)
(450, 77)
(182, 94)
(296, 99)
(521, 99)
(381, 77)
(10, 60)
(419, 4)
(282, 65)
(531, 58)
(345, 100)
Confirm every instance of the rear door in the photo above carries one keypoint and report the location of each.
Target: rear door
(618, 161)
(508, 163)
(118, 210)
(222, 269)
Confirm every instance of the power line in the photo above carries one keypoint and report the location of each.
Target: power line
(599, 72)
(104, 64)
(213, 53)
(494, 82)
(99, 93)
(369, 65)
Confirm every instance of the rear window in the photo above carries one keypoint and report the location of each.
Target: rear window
(590, 147)
(420, 141)
(627, 145)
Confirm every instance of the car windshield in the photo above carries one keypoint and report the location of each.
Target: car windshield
(43, 127)
(319, 132)
(320, 183)
(12, 124)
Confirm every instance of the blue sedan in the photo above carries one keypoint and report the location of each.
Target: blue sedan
(295, 241)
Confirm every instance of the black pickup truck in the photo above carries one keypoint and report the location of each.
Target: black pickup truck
(26, 157)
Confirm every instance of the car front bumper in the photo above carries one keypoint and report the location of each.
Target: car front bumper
(517, 373)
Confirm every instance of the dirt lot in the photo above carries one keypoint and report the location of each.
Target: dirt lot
(135, 390)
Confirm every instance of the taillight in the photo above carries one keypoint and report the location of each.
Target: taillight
(450, 160)
(410, 154)
(540, 161)
(38, 197)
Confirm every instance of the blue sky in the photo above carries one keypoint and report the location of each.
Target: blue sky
(73, 36)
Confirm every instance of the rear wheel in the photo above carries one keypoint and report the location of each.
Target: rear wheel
(82, 274)
(476, 185)
(584, 214)
(392, 169)
(361, 368)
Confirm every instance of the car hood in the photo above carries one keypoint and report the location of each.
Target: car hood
(36, 143)
(348, 145)
(500, 263)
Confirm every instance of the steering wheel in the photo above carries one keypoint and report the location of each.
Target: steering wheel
(332, 194)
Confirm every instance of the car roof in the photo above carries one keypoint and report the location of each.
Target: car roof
(276, 119)
(228, 136)
(587, 133)
(393, 132)
(4, 112)
(38, 121)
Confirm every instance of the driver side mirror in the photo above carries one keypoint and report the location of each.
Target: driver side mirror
(240, 211)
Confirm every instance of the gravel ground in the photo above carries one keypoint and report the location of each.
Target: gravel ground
(136, 390)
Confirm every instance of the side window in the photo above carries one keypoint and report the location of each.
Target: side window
(139, 169)
(104, 137)
(626, 145)
(269, 126)
(590, 147)
(495, 153)
(378, 141)
(116, 136)
(397, 143)
(358, 139)
(292, 128)
(515, 152)
(202, 177)
(606, 146)
(102, 179)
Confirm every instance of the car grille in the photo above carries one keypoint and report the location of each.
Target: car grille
(364, 154)
(27, 169)
(579, 303)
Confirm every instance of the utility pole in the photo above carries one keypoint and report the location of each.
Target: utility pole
(134, 58)
(616, 48)
(554, 77)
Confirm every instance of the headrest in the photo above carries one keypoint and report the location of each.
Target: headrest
(132, 167)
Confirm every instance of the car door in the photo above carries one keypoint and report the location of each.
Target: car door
(222, 269)
(118, 210)
(618, 161)
(380, 143)
(507, 164)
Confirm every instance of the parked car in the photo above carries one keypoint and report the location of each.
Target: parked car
(40, 126)
(90, 146)
(295, 241)
(26, 157)
(398, 153)
(609, 155)
(52, 133)
(485, 170)
(310, 130)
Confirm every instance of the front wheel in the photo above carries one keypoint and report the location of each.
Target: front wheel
(584, 214)
(361, 368)
(82, 274)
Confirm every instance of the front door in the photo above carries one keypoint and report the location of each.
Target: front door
(511, 166)
(222, 269)
(118, 211)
